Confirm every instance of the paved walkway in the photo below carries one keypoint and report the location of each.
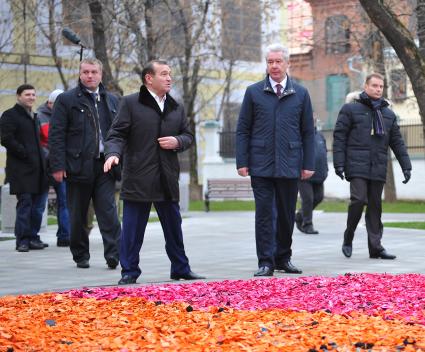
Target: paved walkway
(219, 245)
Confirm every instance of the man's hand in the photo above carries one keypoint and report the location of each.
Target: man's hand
(168, 142)
(407, 175)
(243, 171)
(306, 174)
(340, 172)
(110, 162)
(59, 175)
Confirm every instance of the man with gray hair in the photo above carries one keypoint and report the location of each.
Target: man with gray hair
(275, 146)
(44, 113)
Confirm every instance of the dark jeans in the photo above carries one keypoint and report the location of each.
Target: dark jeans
(311, 195)
(29, 214)
(79, 194)
(274, 243)
(366, 192)
(62, 212)
(135, 218)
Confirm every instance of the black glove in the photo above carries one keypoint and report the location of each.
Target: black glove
(340, 172)
(407, 175)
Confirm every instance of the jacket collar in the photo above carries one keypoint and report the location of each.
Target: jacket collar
(146, 98)
(22, 110)
(289, 89)
(82, 90)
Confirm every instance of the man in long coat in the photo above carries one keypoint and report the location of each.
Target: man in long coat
(25, 167)
(151, 127)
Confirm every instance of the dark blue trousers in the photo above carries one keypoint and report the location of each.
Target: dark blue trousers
(274, 243)
(135, 219)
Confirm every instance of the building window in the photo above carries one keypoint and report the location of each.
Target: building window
(241, 30)
(337, 88)
(337, 35)
(228, 134)
(398, 85)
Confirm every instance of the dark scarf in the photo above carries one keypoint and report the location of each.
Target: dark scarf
(376, 105)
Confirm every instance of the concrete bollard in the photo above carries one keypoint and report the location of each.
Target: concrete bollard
(8, 211)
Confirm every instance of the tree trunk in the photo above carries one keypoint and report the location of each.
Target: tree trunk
(99, 42)
(404, 45)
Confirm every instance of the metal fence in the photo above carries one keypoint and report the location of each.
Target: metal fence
(413, 136)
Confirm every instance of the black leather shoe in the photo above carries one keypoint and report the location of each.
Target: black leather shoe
(36, 245)
(112, 262)
(299, 221)
(264, 271)
(347, 249)
(127, 280)
(309, 230)
(188, 276)
(23, 248)
(289, 268)
(83, 264)
(62, 242)
(383, 255)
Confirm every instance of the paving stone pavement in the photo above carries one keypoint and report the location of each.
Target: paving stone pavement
(220, 245)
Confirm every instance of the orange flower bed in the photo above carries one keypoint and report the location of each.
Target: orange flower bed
(55, 322)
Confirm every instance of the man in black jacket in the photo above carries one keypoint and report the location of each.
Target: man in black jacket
(80, 122)
(363, 132)
(25, 168)
(151, 127)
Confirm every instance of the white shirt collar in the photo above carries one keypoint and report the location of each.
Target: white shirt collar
(160, 101)
(274, 83)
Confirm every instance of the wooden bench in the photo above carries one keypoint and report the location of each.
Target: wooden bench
(228, 188)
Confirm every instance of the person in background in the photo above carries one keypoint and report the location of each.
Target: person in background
(44, 113)
(312, 190)
(25, 167)
(366, 127)
(80, 122)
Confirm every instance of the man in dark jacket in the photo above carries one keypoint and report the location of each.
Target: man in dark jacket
(312, 189)
(150, 129)
(363, 132)
(275, 146)
(25, 168)
(80, 121)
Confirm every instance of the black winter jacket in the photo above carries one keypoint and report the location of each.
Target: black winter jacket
(360, 153)
(320, 159)
(149, 172)
(74, 132)
(25, 165)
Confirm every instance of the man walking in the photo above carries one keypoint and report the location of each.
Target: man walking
(275, 146)
(80, 122)
(363, 132)
(150, 129)
(25, 167)
(44, 114)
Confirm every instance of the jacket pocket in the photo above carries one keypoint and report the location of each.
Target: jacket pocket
(74, 162)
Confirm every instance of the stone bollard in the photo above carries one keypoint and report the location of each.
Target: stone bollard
(8, 211)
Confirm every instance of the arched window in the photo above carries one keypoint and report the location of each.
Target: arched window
(337, 35)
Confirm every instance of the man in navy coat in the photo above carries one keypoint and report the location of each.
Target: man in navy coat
(275, 146)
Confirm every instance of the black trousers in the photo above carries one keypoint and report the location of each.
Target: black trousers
(311, 195)
(366, 192)
(274, 246)
(101, 190)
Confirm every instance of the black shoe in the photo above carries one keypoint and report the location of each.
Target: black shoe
(112, 262)
(299, 221)
(127, 280)
(309, 229)
(83, 264)
(347, 249)
(188, 276)
(43, 243)
(23, 248)
(62, 242)
(36, 245)
(289, 268)
(383, 255)
(264, 271)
